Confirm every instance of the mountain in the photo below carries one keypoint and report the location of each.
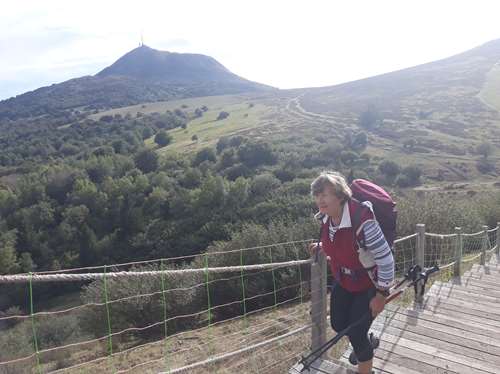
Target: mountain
(142, 75)
(462, 84)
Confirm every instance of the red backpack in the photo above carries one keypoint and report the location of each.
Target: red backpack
(384, 207)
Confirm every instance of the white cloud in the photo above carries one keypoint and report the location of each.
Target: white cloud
(282, 43)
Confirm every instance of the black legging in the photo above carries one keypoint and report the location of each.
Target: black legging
(348, 307)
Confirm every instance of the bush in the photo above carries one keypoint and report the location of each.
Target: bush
(163, 138)
(254, 154)
(484, 166)
(181, 297)
(413, 174)
(440, 213)
(260, 287)
(204, 154)
(146, 161)
(389, 168)
(222, 115)
(12, 311)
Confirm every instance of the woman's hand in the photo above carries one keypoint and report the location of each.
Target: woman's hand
(313, 247)
(377, 304)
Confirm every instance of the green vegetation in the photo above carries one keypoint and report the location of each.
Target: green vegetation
(490, 92)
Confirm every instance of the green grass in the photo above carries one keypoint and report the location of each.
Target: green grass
(490, 94)
(212, 102)
(208, 129)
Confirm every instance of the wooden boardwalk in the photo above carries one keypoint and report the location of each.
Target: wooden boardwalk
(456, 331)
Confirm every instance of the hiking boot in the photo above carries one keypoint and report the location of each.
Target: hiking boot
(374, 341)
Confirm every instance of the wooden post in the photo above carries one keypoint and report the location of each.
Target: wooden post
(420, 258)
(458, 252)
(318, 300)
(484, 246)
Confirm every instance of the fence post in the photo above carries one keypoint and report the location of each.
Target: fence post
(484, 245)
(318, 300)
(458, 252)
(419, 257)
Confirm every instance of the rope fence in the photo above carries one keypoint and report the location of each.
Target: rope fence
(246, 310)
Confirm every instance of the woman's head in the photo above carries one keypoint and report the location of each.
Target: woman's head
(330, 191)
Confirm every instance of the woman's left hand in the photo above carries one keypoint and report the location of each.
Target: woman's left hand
(377, 304)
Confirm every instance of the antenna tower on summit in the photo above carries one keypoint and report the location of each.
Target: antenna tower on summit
(142, 39)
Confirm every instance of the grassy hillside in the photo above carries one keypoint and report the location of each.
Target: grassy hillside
(490, 94)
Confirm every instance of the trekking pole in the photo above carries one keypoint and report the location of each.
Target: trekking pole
(413, 273)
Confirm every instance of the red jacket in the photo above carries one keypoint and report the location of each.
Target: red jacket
(343, 250)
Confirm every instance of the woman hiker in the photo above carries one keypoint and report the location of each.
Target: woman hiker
(358, 289)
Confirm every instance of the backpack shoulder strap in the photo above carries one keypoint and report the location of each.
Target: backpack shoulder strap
(356, 212)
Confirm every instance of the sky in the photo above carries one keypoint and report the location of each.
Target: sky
(285, 44)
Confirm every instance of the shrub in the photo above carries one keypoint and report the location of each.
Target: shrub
(413, 174)
(222, 115)
(484, 166)
(205, 154)
(182, 296)
(12, 311)
(440, 213)
(389, 168)
(163, 138)
(146, 160)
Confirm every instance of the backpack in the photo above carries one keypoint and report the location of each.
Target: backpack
(383, 205)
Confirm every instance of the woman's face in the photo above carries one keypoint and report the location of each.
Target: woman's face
(328, 202)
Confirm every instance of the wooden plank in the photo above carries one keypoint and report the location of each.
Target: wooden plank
(321, 366)
(486, 271)
(470, 348)
(471, 303)
(443, 358)
(492, 285)
(476, 286)
(387, 364)
(478, 360)
(425, 355)
(455, 333)
(410, 364)
(495, 268)
(452, 289)
(465, 281)
(481, 301)
(486, 277)
(449, 320)
(443, 305)
(433, 302)
(458, 314)
(482, 291)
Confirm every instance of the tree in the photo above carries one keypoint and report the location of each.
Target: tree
(146, 160)
(485, 149)
(413, 173)
(389, 168)
(198, 113)
(204, 154)
(222, 115)
(359, 142)
(8, 258)
(163, 138)
(147, 133)
(194, 138)
(348, 157)
(253, 154)
(370, 118)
